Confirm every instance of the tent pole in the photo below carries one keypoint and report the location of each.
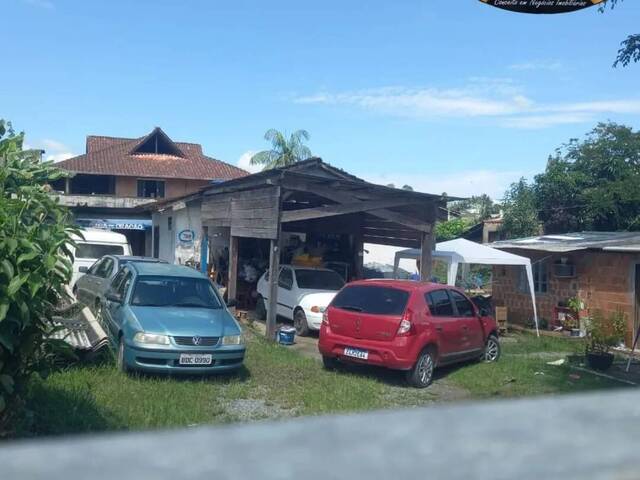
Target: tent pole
(533, 295)
(396, 265)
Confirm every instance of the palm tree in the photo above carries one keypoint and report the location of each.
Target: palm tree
(283, 152)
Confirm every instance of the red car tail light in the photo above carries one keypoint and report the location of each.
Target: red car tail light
(325, 317)
(406, 324)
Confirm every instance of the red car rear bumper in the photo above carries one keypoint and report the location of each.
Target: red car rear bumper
(399, 353)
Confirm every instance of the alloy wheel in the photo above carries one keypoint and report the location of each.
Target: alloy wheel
(492, 351)
(425, 368)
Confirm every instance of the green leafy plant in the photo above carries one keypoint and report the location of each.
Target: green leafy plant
(602, 333)
(34, 266)
(283, 152)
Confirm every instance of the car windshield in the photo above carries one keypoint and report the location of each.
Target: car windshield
(97, 250)
(319, 279)
(175, 292)
(372, 299)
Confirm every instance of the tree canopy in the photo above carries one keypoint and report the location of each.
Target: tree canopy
(588, 184)
(630, 47)
(283, 152)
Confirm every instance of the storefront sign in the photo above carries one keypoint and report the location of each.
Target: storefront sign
(542, 6)
(113, 224)
(186, 237)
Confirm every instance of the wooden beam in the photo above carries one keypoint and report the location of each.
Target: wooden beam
(272, 305)
(393, 242)
(426, 245)
(344, 196)
(232, 283)
(341, 209)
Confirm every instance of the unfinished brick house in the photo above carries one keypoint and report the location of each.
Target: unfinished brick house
(601, 268)
(118, 177)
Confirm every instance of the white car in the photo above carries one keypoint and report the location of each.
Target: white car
(96, 244)
(303, 295)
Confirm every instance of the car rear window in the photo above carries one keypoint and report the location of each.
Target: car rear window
(97, 250)
(372, 299)
(319, 279)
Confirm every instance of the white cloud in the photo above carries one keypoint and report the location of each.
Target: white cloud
(481, 97)
(546, 120)
(423, 102)
(537, 65)
(464, 183)
(54, 150)
(244, 162)
(58, 157)
(40, 4)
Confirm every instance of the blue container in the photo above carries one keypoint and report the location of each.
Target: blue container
(286, 335)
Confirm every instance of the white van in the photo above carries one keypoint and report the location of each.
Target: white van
(96, 244)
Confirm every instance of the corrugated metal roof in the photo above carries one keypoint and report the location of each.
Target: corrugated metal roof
(567, 242)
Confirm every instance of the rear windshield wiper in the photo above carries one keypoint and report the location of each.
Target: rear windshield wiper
(350, 307)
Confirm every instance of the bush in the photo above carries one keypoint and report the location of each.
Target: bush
(602, 334)
(34, 231)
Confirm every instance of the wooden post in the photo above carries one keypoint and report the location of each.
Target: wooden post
(426, 245)
(274, 268)
(232, 284)
(358, 259)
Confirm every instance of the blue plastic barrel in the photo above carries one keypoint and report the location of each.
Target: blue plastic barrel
(286, 335)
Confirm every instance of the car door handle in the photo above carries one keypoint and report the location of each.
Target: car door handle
(439, 329)
(465, 327)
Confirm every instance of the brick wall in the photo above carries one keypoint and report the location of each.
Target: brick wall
(604, 280)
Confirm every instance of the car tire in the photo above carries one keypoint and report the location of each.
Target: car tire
(261, 309)
(492, 349)
(121, 364)
(329, 363)
(421, 375)
(300, 323)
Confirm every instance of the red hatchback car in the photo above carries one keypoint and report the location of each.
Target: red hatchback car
(405, 325)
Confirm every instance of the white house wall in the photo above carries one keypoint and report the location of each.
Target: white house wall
(171, 248)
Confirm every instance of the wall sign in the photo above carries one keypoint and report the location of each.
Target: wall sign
(186, 237)
(542, 6)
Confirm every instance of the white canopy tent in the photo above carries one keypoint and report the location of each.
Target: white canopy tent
(461, 251)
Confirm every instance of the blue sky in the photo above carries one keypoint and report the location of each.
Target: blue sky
(445, 95)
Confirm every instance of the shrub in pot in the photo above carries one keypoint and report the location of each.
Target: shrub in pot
(602, 335)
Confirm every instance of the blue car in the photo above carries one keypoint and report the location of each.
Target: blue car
(170, 318)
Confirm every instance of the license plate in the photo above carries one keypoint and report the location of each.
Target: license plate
(356, 353)
(195, 359)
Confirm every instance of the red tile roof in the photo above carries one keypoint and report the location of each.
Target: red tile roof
(118, 156)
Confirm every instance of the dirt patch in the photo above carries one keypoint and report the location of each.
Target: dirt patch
(247, 409)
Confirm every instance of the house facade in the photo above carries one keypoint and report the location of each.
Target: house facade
(600, 268)
(117, 179)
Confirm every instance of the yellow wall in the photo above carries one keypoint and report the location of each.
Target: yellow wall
(174, 187)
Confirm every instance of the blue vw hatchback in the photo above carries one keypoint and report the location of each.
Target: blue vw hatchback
(170, 318)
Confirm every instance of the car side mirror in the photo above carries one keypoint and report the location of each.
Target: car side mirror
(232, 302)
(83, 269)
(484, 312)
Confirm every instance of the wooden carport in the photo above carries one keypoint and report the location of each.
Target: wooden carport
(314, 196)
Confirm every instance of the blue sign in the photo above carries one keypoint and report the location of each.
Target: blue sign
(186, 236)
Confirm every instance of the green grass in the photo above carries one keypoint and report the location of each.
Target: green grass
(524, 370)
(277, 383)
